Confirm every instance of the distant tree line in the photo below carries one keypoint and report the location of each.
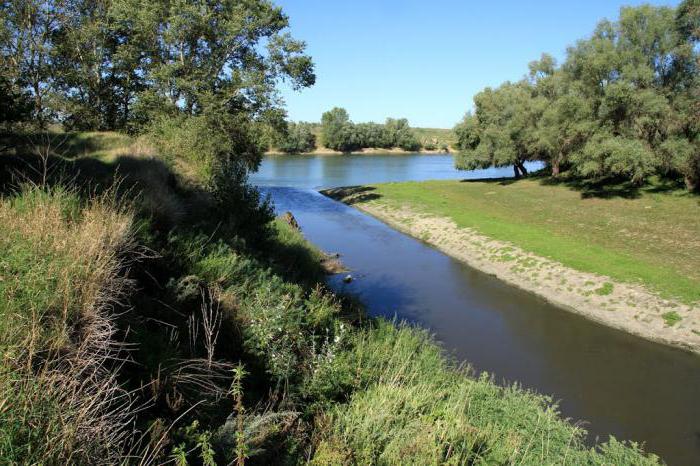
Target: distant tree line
(625, 104)
(339, 133)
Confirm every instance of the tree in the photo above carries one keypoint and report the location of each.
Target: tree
(503, 130)
(624, 104)
(28, 29)
(562, 130)
(297, 139)
(99, 60)
(370, 134)
(398, 133)
(15, 106)
(337, 132)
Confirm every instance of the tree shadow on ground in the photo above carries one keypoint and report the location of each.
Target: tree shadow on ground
(610, 188)
(605, 188)
(499, 181)
(69, 145)
(352, 194)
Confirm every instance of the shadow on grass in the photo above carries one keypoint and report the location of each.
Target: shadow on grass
(610, 188)
(607, 188)
(505, 181)
(352, 194)
(68, 145)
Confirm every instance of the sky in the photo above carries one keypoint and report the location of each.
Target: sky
(425, 60)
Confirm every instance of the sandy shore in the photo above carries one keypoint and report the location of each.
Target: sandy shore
(393, 151)
(627, 307)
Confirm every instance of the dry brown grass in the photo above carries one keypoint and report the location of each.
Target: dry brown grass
(59, 282)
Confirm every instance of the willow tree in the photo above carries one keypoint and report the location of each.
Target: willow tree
(503, 129)
(625, 104)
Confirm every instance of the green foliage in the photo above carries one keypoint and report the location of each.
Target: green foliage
(623, 105)
(337, 131)
(413, 406)
(238, 205)
(192, 442)
(399, 134)
(606, 155)
(341, 134)
(14, 105)
(117, 64)
(502, 130)
(299, 138)
(671, 318)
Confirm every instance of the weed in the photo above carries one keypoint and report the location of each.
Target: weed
(671, 318)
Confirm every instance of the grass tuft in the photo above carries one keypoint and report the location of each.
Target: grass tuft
(671, 318)
(605, 290)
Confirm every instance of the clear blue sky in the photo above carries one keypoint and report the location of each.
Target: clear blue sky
(425, 60)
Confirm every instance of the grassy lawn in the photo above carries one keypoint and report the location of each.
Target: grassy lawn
(441, 134)
(650, 236)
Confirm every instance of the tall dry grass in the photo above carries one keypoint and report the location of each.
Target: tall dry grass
(59, 283)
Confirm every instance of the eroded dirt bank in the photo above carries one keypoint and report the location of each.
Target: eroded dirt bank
(628, 307)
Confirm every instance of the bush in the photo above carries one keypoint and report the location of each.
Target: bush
(430, 145)
(239, 206)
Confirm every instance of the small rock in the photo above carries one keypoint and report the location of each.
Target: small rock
(347, 279)
(288, 218)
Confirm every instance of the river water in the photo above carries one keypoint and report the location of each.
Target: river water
(612, 382)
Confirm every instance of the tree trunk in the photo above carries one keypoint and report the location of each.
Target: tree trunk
(516, 172)
(555, 167)
(692, 184)
(522, 168)
(38, 104)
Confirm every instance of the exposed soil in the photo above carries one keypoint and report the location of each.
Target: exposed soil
(624, 306)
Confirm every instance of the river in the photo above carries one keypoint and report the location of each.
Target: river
(612, 382)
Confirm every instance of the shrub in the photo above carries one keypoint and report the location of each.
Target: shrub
(430, 144)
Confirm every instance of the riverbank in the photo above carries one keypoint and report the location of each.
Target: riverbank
(624, 262)
(202, 335)
(368, 151)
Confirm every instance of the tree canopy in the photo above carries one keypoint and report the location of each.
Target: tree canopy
(339, 133)
(131, 64)
(624, 104)
(297, 138)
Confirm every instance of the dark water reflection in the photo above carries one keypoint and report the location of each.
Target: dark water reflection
(615, 382)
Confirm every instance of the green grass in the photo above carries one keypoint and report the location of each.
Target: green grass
(652, 238)
(440, 134)
(411, 405)
(58, 273)
(72, 145)
(605, 290)
(671, 318)
(325, 383)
